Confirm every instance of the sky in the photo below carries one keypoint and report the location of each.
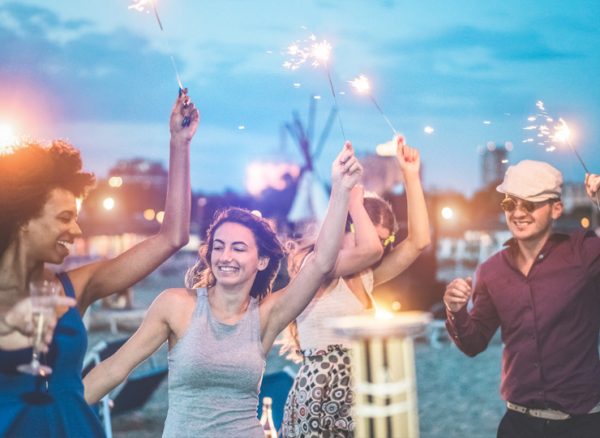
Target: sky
(100, 75)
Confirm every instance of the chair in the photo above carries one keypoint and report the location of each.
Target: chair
(132, 394)
(277, 386)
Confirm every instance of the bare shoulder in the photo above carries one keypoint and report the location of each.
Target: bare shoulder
(169, 299)
(81, 275)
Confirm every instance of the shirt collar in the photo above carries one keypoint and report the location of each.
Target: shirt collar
(555, 238)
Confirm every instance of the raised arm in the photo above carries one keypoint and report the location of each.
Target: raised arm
(284, 306)
(104, 278)
(366, 249)
(418, 237)
(154, 330)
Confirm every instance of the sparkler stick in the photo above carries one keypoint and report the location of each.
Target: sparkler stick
(335, 102)
(362, 85)
(319, 52)
(564, 133)
(561, 133)
(548, 136)
(139, 5)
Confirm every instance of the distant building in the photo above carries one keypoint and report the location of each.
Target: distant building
(381, 173)
(494, 162)
(574, 196)
(140, 171)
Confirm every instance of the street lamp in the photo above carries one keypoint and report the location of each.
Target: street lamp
(108, 203)
(447, 213)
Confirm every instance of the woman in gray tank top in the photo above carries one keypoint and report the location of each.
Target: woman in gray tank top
(220, 333)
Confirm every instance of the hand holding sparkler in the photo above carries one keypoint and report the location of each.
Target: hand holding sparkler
(408, 157)
(592, 184)
(592, 187)
(184, 117)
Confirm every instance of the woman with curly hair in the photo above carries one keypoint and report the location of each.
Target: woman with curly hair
(38, 225)
(220, 333)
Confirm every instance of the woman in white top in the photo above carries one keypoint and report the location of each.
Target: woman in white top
(320, 401)
(220, 334)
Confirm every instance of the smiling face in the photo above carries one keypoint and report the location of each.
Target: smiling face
(234, 257)
(533, 226)
(47, 237)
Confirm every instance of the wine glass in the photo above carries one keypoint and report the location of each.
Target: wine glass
(43, 295)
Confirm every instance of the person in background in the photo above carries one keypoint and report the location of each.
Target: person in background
(543, 291)
(365, 260)
(38, 226)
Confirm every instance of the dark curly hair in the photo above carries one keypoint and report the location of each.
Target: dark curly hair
(200, 275)
(27, 176)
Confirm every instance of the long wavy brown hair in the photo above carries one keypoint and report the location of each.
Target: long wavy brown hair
(201, 275)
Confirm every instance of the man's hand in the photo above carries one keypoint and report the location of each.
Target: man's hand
(592, 184)
(457, 294)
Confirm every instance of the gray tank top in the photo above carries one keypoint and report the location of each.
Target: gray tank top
(215, 371)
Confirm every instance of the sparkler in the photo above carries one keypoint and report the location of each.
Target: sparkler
(142, 6)
(550, 131)
(362, 85)
(318, 53)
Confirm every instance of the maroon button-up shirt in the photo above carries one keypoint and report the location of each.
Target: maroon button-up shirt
(549, 322)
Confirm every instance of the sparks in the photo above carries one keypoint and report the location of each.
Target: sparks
(141, 5)
(317, 53)
(361, 84)
(549, 132)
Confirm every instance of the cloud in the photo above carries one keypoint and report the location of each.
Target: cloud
(499, 45)
(88, 74)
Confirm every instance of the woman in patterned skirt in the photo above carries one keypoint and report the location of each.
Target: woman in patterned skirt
(320, 401)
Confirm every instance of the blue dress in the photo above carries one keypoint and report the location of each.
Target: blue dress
(52, 407)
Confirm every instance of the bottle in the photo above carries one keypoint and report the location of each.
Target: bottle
(266, 419)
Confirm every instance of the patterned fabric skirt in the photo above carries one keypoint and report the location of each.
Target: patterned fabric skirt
(320, 401)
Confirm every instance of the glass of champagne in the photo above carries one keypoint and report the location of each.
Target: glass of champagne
(43, 295)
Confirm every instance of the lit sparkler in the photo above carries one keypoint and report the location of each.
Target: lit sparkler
(317, 53)
(362, 85)
(144, 6)
(550, 131)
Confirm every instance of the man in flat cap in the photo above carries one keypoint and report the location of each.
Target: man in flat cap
(543, 291)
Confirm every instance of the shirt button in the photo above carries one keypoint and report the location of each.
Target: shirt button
(541, 257)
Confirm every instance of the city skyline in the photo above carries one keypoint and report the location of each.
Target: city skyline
(100, 76)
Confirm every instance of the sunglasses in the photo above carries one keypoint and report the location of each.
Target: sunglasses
(510, 204)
